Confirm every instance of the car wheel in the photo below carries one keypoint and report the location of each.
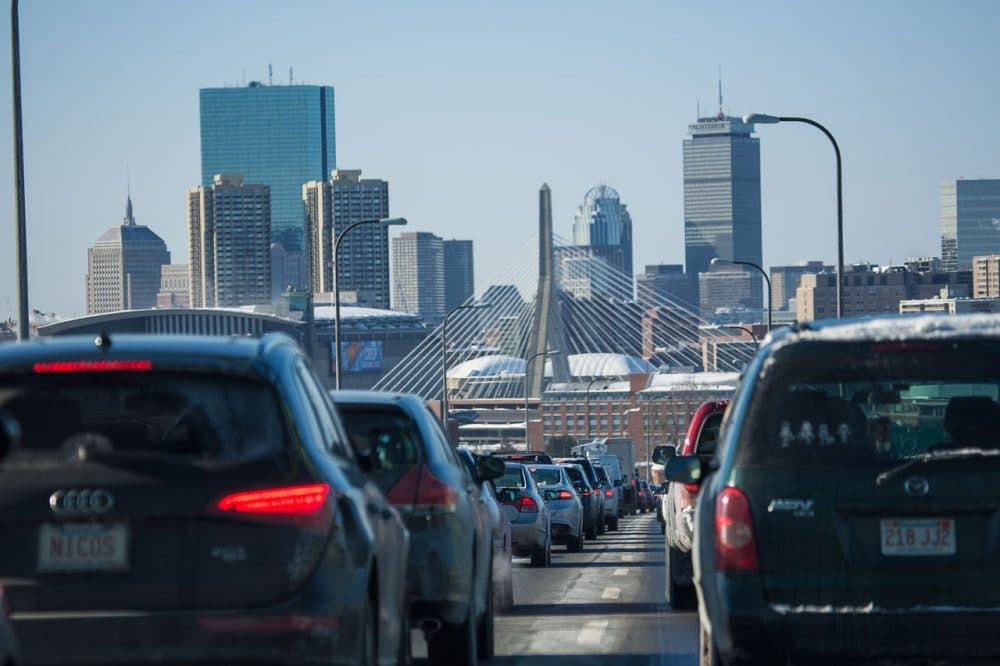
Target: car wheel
(591, 531)
(600, 524)
(403, 655)
(508, 590)
(679, 595)
(484, 631)
(613, 524)
(539, 557)
(455, 643)
(663, 527)
(369, 639)
(574, 544)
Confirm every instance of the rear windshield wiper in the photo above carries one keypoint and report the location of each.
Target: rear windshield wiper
(931, 456)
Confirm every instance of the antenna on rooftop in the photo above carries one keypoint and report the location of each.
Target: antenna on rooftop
(698, 107)
(289, 76)
(721, 114)
(270, 74)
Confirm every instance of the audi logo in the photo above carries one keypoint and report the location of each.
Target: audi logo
(916, 486)
(65, 502)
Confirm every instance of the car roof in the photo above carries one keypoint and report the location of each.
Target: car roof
(358, 397)
(174, 351)
(886, 328)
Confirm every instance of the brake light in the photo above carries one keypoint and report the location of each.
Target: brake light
(50, 367)
(527, 505)
(291, 500)
(434, 495)
(642, 494)
(735, 545)
(584, 493)
(609, 493)
(565, 494)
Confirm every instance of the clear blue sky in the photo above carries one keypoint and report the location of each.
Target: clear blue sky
(467, 107)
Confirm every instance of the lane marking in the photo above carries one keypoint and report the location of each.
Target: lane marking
(621, 572)
(612, 593)
(592, 633)
(628, 558)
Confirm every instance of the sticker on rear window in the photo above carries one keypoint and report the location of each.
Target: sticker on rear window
(808, 435)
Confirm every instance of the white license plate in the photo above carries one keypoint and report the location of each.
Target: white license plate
(82, 547)
(918, 536)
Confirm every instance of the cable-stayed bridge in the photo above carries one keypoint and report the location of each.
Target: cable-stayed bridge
(555, 296)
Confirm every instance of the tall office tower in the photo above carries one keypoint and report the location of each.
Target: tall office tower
(418, 275)
(280, 136)
(785, 281)
(986, 276)
(229, 235)
(363, 266)
(123, 267)
(459, 281)
(723, 291)
(667, 284)
(175, 287)
(604, 225)
(722, 195)
(970, 221)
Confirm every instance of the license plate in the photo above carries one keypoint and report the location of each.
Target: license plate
(918, 536)
(82, 547)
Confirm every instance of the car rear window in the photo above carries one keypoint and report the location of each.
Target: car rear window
(198, 417)
(709, 437)
(862, 403)
(512, 478)
(546, 476)
(574, 473)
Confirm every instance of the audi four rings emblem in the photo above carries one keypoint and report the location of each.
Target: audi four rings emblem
(916, 486)
(65, 502)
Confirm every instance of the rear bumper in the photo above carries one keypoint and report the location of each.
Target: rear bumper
(526, 538)
(439, 574)
(748, 630)
(291, 634)
(565, 527)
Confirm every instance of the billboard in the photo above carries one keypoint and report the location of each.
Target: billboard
(356, 357)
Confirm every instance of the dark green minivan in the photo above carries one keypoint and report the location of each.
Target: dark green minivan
(853, 507)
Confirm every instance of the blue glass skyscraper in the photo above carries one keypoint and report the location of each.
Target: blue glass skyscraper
(280, 136)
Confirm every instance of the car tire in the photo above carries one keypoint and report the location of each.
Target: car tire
(601, 527)
(663, 527)
(484, 629)
(574, 544)
(539, 557)
(369, 635)
(508, 590)
(679, 595)
(404, 656)
(613, 524)
(455, 643)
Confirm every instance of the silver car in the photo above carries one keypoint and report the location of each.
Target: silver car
(530, 520)
(564, 505)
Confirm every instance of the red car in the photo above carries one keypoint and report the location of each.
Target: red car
(702, 436)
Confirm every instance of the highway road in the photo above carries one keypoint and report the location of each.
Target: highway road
(605, 601)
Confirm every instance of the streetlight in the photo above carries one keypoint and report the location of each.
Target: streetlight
(444, 355)
(586, 401)
(717, 260)
(386, 222)
(526, 364)
(764, 119)
(20, 236)
(648, 405)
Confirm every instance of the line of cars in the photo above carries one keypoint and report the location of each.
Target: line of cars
(845, 504)
(186, 499)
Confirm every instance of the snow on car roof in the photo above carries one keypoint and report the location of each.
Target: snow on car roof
(879, 329)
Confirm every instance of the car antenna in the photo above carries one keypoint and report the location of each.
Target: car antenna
(103, 340)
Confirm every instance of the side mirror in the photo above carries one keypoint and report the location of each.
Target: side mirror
(579, 486)
(618, 483)
(685, 469)
(661, 454)
(508, 495)
(489, 467)
(10, 433)
(551, 495)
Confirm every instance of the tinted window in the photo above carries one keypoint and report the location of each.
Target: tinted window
(708, 439)
(575, 474)
(197, 417)
(862, 404)
(388, 434)
(546, 476)
(512, 478)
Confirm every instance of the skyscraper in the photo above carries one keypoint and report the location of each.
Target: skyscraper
(604, 225)
(970, 221)
(279, 136)
(418, 274)
(459, 280)
(330, 206)
(229, 231)
(722, 195)
(123, 267)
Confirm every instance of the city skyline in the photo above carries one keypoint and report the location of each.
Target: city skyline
(399, 115)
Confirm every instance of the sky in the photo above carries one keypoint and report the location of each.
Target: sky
(466, 108)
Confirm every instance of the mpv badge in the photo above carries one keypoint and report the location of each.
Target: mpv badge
(916, 486)
(65, 502)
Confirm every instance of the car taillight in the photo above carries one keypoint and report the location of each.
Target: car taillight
(584, 493)
(434, 495)
(109, 365)
(735, 545)
(642, 494)
(609, 493)
(305, 505)
(527, 505)
(691, 488)
(565, 494)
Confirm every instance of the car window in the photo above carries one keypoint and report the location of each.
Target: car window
(546, 476)
(197, 417)
(322, 409)
(512, 478)
(708, 438)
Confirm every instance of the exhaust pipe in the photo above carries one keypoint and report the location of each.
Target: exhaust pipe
(429, 626)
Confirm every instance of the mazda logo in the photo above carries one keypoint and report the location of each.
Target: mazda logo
(66, 502)
(916, 486)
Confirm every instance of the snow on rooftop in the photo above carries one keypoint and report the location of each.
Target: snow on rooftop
(694, 381)
(327, 312)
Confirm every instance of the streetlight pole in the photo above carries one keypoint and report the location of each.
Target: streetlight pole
(21, 237)
(586, 402)
(386, 222)
(444, 356)
(526, 364)
(767, 279)
(764, 119)
(649, 404)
